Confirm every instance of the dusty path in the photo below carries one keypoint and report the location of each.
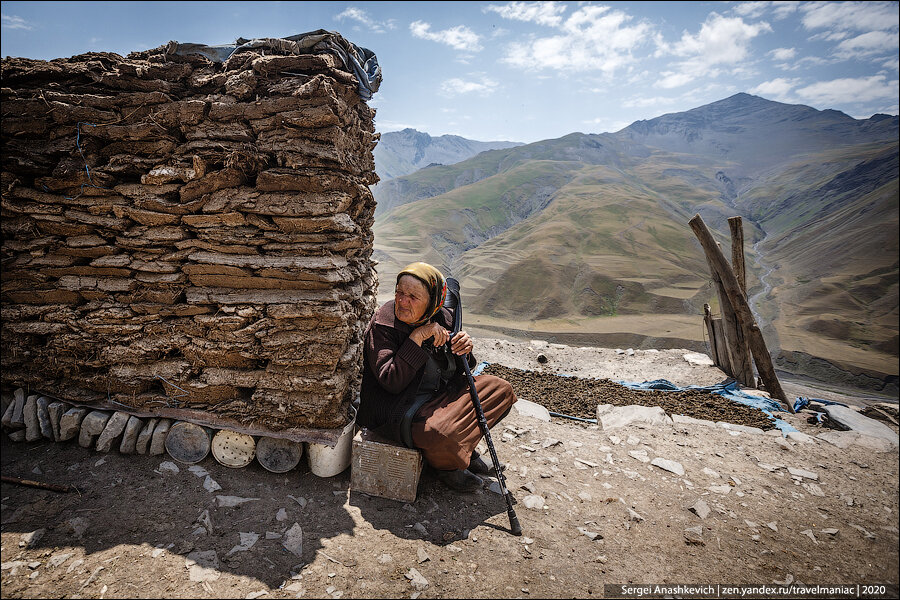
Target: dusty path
(593, 508)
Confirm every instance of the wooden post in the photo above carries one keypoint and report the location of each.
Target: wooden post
(707, 320)
(722, 346)
(735, 346)
(742, 310)
(737, 252)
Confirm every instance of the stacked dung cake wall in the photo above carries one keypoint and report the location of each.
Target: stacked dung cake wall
(188, 234)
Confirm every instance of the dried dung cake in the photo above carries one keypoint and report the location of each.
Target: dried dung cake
(189, 234)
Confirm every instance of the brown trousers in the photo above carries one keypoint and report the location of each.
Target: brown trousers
(446, 428)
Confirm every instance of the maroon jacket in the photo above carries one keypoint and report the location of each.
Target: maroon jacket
(393, 368)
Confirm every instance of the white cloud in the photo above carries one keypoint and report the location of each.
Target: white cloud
(866, 44)
(776, 89)
(459, 37)
(357, 14)
(780, 10)
(455, 86)
(651, 102)
(850, 90)
(720, 41)
(593, 38)
(855, 16)
(14, 22)
(542, 13)
(783, 53)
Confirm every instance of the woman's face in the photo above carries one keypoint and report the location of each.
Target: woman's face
(410, 299)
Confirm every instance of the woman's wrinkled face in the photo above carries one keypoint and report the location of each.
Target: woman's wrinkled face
(410, 299)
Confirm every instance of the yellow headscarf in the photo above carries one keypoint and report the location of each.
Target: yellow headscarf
(434, 283)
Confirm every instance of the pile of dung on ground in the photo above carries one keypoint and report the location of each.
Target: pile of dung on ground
(578, 397)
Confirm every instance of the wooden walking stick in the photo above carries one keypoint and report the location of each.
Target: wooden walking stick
(455, 304)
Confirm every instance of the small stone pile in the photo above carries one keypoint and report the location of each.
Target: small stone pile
(189, 237)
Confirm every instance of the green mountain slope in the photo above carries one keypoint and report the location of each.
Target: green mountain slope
(585, 238)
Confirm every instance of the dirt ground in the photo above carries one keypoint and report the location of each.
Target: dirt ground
(594, 509)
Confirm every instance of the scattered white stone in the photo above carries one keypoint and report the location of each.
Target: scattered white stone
(668, 465)
(255, 595)
(773, 526)
(168, 467)
(273, 535)
(700, 508)
(813, 489)
(247, 541)
(74, 565)
(585, 497)
(697, 359)
(422, 555)
(694, 535)
(532, 409)
(281, 515)
(231, 501)
(767, 467)
(533, 502)
(861, 424)
(198, 471)
(803, 473)
(808, 533)
(632, 514)
(28, 540)
(293, 540)
(416, 579)
(204, 520)
(591, 535)
(78, 525)
(590, 464)
(720, 489)
(58, 559)
(830, 531)
(867, 534)
(710, 472)
(610, 417)
(633, 440)
(385, 559)
(211, 485)
(734, 428)
(614, 440)
(798, 436)
(202, 566)
(686, 420)
(640, 455)
(843, 439)
(301, 500)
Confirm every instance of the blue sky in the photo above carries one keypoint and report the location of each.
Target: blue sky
(526, 71)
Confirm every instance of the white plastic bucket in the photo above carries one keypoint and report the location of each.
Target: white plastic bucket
(325, 461)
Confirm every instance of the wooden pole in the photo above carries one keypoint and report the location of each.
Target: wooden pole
(742, 310)
(735, 341)
(707, 320)
(53, 487)
(737, 252)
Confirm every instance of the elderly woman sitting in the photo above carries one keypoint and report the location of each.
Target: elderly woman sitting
(413, 389)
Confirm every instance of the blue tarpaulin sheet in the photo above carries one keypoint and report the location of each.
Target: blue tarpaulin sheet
(730, 390)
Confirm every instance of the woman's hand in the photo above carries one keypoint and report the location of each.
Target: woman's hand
(430, 330)
(461, 343)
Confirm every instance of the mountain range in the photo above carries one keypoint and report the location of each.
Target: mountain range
(400, 153)
(584, 239)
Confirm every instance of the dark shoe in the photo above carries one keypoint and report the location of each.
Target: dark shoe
(483, 465)
(461, 480)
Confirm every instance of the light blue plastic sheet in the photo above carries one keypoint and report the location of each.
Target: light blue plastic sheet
(730, 390)
(362, 62)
